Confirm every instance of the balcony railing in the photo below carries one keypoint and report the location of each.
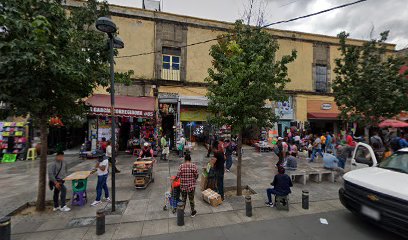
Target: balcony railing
(322, 87)
(170, 74)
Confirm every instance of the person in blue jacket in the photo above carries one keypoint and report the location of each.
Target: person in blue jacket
(281, 186)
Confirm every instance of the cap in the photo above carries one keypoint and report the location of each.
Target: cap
(146, 144)
(280, 138)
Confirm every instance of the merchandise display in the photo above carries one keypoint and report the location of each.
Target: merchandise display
(13, 140)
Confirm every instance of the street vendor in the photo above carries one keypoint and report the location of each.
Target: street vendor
(147, 151)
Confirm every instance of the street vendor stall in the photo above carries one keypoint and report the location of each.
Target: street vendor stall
(79, 183)
(13, 140)
(142, 170)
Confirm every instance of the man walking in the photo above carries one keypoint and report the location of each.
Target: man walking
(188, 174)
(317, 148)
(56, 174)
(181, 146)
(102, 167)
(279, 150)
(165, 148)
(219, 169)
(343, 152)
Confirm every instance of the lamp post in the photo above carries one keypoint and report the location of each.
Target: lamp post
(107, 26)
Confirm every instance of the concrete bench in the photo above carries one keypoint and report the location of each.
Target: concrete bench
(313, 174)
(298, 176)
(325, 174)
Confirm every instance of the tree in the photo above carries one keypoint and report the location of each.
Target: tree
(50, 60)
(244, 76)
(368, 85)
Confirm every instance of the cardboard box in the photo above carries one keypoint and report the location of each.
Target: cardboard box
(213, 198)
(203, 182)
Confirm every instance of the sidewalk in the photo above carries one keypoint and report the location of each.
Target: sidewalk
(140, 212)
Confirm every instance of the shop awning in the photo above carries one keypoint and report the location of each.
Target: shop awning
(141, 107)
(322, 115)
(194, 101)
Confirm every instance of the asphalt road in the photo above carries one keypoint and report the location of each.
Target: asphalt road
(341, 225)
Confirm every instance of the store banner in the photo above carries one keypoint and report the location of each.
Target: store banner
(197, 115)
(284, 110)
(122, 112)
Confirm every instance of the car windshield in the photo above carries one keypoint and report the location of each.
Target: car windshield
(396, 162)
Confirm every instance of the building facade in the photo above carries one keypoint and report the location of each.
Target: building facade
(155, 49)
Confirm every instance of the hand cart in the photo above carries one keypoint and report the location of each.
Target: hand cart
(172, 197)
(142, 170)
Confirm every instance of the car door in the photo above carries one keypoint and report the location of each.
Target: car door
(363, 156)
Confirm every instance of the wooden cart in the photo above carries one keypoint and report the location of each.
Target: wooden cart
(142, 170)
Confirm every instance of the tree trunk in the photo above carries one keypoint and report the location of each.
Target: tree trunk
(239, 149)
(42, 178)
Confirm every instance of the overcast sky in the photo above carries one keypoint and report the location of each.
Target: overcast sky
(358, 20)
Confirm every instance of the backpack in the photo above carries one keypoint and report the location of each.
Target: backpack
(395, 144)
(276, 150)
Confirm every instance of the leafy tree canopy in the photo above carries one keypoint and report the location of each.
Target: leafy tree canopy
(245, 74)
(368, 84)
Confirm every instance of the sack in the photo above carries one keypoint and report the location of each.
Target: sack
(276, 150)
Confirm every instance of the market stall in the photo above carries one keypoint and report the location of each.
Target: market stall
(13, 140)
(134, 118)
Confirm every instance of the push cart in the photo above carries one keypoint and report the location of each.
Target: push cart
(142, 170)
(172, 197)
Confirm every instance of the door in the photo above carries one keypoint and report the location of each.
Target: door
(363, 156)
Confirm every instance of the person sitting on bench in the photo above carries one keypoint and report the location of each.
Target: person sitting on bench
(281, 186)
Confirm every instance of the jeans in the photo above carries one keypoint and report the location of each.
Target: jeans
(341, 163)
(269, 193)
(314, 153)
(190, 195)
(102, 185)
(280, 161)
(220, 183)
(57, 192)
(228, 162)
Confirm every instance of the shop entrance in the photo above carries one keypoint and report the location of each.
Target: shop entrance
(124, 135)
(323, 126)
(168, 130)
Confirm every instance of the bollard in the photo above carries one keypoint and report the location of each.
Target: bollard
(100, 222)
(305, 199)
(248, 206)
(5, 228)
(180, 214)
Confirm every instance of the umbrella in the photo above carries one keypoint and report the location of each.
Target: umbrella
(393, 123)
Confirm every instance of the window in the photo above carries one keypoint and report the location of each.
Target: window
(322, 84)
(171, 64)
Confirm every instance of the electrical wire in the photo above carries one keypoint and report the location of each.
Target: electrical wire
(264, 26)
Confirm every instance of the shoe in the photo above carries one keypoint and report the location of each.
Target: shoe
(65, 209)
(193, 213)
(56, 209)
(228, 170)
(96, 203)
(269, 204)
(108, 199)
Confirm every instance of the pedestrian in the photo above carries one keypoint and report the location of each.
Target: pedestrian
(109, 155)
(102, 169)
(343, 152)
(228, 154)
(165, 148)
(210, 143)
(317, 147)
(219, 169)
(57, 171)
(332, 163)
(297, 140)
(291, 162)
(188, 174)
(278, 149)
(350, 140)
(181, 145)
(329, 142)
(281, 186)
(323, 142)
(103, 144)
(147, 151)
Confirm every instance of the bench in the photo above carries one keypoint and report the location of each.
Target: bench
(298, 176)
(326, 174)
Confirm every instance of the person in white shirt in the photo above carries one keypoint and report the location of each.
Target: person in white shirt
(181, 145)
(109, 155)
(102, 167)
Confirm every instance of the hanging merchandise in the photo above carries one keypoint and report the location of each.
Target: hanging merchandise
(13, 140)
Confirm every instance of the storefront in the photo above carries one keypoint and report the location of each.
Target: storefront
(194, 117)
(134, 120)
(168, 105)
(284, 110)
(323, 116)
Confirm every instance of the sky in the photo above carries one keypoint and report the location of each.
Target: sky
(365, 20)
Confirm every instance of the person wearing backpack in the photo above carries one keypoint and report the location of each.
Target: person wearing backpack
(57, 171)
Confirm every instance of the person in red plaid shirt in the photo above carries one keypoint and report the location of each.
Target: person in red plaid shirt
(188, 174)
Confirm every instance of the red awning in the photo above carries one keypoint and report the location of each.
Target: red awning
(142, 107)
(330, 116)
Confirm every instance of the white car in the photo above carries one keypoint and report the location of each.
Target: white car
(378, 191)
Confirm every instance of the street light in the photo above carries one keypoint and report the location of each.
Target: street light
(107, 26)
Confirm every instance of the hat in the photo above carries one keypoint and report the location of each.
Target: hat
(146, 144)
(280, 138)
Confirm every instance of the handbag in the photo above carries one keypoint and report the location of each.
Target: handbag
(51, 183)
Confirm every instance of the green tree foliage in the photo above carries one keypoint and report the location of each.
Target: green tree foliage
(51, 59)
(245, 75)
(368, 84)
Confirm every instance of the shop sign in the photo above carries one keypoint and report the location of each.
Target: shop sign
(326, 106)
(122, 112)
(197, 115)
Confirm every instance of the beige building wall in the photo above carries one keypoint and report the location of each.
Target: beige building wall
(138, 36)
(301, 102)
(334, 54)
(184, 91)
(198, 57)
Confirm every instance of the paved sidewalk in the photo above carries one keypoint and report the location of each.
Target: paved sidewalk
(140, 212)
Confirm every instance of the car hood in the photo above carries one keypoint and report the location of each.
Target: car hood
(381, 180)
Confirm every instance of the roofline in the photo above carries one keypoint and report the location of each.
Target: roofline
(228, 24)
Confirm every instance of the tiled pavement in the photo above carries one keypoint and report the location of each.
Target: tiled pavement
(144, 213)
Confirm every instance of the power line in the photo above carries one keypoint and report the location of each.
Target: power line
(265, 26)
